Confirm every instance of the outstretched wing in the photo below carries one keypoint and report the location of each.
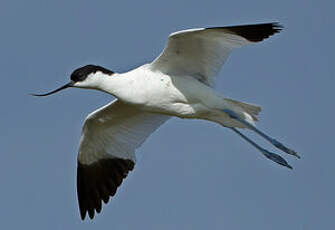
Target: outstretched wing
(202, 52)
(110, 136)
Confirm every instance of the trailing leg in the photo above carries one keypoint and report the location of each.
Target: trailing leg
(273, 141)
(272, 156)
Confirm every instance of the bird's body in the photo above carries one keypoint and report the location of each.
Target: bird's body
(152, 91)
(177, 83)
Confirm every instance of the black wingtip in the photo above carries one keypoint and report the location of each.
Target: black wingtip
(257, 32)
(82, 214)
(277, 27)
(289, 166)
(254, 32)
(98, 181)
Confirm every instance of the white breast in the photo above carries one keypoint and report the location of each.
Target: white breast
(153, 91)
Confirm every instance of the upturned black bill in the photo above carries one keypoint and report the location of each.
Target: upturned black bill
(70, 84)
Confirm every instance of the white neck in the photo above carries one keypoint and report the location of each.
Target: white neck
(120, 85)
(124, 86)
(113, 84)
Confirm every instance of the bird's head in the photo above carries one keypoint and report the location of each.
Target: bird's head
(88, 77)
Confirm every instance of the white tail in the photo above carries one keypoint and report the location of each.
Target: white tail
(251, 109)
(245, 111)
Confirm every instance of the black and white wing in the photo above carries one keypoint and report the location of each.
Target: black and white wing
(110, 136)
(202, 52)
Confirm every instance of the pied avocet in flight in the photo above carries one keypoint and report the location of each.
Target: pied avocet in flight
(177, 83)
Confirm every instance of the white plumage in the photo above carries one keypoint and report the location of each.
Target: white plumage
(177, 83)
(199, 53)
(116, 130)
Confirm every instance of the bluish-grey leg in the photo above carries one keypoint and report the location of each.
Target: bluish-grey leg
(271, 140)
(272, 156)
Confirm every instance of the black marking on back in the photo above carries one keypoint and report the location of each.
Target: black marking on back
(255, 32)
(81, 73)
(97, 181)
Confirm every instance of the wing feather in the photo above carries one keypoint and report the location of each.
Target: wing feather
(109, 139)
(202, 52)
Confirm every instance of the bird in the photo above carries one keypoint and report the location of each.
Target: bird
(178, 83)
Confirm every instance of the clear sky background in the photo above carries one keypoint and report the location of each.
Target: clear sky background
(189, 174)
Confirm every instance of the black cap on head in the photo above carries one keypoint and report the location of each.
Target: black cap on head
(81, 73)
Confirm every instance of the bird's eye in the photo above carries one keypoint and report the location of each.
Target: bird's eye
(78, 77)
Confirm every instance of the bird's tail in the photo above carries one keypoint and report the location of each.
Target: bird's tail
(245, 111)
(252, 110)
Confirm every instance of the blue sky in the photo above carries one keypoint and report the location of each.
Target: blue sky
(189, 174)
